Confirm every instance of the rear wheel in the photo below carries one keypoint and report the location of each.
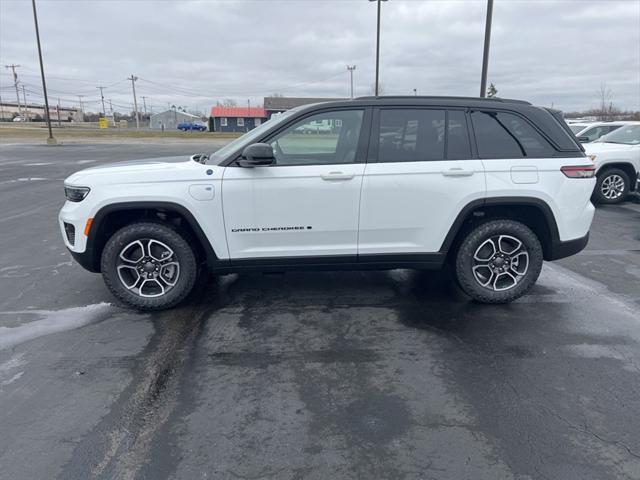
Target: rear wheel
(149, 266)
(498, 261)
(612, 186)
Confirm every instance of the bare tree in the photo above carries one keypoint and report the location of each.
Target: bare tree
(606, 110)
(492, 91)
(229, 102)
(276, 95)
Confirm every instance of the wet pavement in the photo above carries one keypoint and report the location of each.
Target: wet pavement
(381, 375)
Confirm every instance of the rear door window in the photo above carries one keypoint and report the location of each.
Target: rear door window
(411, 135)
(505, 135)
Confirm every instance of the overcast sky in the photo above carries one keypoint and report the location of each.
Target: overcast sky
(197, 53)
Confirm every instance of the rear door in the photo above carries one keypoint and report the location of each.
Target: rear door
(419, 176)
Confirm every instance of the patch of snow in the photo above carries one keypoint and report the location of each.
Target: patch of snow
(52, 321)
(12, 379)
(25, 179)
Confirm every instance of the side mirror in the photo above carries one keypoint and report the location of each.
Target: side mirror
(583, 139)
(257, 155)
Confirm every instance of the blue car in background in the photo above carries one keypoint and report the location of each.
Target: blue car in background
(185, 126)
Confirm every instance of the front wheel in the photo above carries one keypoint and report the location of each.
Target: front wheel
(612, 186)
(498, 261)
(149, 266)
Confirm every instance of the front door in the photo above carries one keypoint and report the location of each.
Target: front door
(307, 203)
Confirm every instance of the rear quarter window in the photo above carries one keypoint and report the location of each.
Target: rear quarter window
(506, 135)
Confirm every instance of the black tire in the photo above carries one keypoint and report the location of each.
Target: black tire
(480, 237)
(182, 254)
(610, 175)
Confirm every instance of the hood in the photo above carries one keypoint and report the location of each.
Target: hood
(141, 171)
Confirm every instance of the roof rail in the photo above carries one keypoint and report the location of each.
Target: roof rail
(436, 97)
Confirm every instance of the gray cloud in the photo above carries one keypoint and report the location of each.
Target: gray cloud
(194, 53)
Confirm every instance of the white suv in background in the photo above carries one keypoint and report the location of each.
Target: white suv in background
(617, 159)
(593, 132)
(491, 186)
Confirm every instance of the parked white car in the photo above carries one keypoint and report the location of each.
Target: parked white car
(617, 159)
(594, 131)
(578, 127)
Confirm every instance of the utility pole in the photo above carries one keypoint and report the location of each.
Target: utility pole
(81, 108)
(144, 103)
(485, 55)
(104, 111)
(415, 92)
(351, 68)
(135, 101)
(113, 117)
(379, 2)
(15, 84)
(24, 97)
(58, 109)
(50, 140)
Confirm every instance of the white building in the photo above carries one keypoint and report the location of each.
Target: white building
(170, 119)
(31, 111)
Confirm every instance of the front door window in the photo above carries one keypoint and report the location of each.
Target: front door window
(323, 139)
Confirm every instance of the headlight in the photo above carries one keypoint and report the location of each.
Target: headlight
(76, 194)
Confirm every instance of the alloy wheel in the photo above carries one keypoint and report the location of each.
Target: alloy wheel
(612, 187)
(500, 263)
(148, 268)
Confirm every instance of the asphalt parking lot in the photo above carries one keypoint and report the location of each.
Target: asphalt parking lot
(356, 375)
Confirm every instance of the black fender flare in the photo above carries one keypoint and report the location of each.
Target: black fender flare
(468, 209)
(90, 259)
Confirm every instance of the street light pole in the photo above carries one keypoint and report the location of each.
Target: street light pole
(485, 55)
(378, 47)
(351, 68)
(50, 140)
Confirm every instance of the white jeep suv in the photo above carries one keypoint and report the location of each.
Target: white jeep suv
(491, 186)
(617, 160)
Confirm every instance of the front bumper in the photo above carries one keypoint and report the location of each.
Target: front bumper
(73, 217)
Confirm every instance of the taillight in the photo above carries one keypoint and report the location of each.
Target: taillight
(579, 171)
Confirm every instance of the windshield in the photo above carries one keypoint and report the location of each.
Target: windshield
(627, 135)
(576, 128)
(219, 155)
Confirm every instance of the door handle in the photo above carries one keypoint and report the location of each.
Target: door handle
(457, 172)
(333, 176)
